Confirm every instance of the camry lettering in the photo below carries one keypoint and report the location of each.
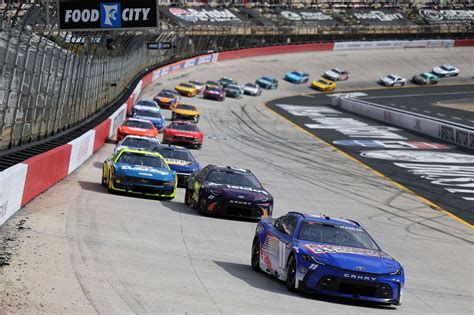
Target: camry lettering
(359, 277)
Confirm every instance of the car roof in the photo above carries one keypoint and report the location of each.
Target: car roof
(267, 77)
(141, 137)
(138, 151)
(230, 169)
(138, 119)
(321, 218)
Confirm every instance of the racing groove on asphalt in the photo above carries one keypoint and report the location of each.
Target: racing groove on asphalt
(85, 251)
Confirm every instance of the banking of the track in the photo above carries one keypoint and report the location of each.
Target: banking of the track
(78, 249)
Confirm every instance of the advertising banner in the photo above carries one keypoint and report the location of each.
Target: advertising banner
(306, 17)
(204, 16)
(386, 17)
(80, 15)
(447, 16)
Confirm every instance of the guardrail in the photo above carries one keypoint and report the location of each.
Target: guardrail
(451, 132)
(22, 182)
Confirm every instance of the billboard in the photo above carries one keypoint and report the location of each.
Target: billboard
(447, 16)
(384, 17)
(313, 17)
(204, 16)
(107, 15)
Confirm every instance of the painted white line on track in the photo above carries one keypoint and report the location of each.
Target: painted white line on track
(442, 115)
(415, 95)
(457, 118)
(403, 106)
(414, 108)
(426, 111)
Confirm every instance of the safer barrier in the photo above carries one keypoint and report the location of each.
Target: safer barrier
(22, 182)
(458, 134)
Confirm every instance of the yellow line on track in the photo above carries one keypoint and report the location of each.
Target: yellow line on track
(423, 199)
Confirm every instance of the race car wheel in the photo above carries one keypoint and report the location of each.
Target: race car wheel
(104, 181)
(255, 258)
(291, 274)
(187, 198)
(200, 206)
(109, 183)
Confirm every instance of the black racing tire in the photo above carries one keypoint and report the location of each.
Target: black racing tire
(187, 198)
(104, 182)
(255, 257)
(109, 183)
(291, 274)
(199, 207)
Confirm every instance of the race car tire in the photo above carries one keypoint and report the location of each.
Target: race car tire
(104, 182)
(199, 207)
(255, 258)
(403, 84)
(109, 183)
(187, 197)
(198, 146)
(291, 274)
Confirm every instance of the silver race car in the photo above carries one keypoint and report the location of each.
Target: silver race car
(392, 80)
(336, 74)
(446, 71)
(252, 89)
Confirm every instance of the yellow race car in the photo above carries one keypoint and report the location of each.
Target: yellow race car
(185, 112)
(323, 85)
(186, 89)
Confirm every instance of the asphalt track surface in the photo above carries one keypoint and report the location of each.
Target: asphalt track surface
(78, 249)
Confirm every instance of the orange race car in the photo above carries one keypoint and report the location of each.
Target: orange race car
(136, 127)
(167, 99)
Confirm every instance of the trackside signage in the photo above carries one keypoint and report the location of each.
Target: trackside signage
(79, 15)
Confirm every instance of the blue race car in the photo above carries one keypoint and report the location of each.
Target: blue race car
(326, 255)
(267, 82)
(180, 160)
(139, 172)
(297, 77)
(154, 116)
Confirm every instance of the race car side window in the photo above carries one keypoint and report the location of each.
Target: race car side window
(289, 223)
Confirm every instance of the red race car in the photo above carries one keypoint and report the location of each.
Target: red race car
(214, 93)
(184, 133)
(136, 127)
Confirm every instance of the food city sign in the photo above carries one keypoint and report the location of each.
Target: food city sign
(79, 15)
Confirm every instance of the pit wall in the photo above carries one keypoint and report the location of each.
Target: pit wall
(22, 182)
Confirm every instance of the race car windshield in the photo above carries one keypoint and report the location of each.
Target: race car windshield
(322, 82)
(233, 178)
(267, 79)
(235, 88)
(147, 104)
(138, 124)
(425, 76)
(195, 82)
(187, 107)
(297, 73)
(175, 154)
(146, 113)
(185, 85)
(338, 71)
(391, 77)
(139, 143)
(212, 83)
(214, 90)
(252, 86)
(185, 127)
(447, 68)
(335, 234)
(138, 159)
(166, 94)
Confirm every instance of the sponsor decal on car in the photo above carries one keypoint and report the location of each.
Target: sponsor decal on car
(143, 169)
(319, 249)
(247, 189)
(177, 162)
(271, 245)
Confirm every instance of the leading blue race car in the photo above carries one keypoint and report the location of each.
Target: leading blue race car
(180, 160)
(326, 255)
(297, 77)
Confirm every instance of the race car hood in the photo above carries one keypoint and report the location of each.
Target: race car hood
(137, 131)
(150, 108)
(165, 99)
(250, 89)
(139, 171)
(184, 133)
(264, 81)
(332, 73)
(182, 166)
(386, 79)
(351, 258)
(185, 112)
(240, 192)
(213, 92)
(154, 120)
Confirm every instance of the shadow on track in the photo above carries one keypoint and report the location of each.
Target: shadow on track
(93, 186)
(266, 282)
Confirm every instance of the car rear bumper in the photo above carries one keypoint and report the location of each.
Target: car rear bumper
(129, 186)
(227, 208)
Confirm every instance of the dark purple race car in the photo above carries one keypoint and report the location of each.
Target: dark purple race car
(230, 191)
(214, 93)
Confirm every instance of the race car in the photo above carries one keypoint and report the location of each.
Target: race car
(296, 77)
(154, 116)
(198, 85)
(180, 160)
(426, 78)
(326, 255)
(186, 89)
(446, 71)
(183, 132)
(137, 127)
(229, 191)
(224, 82)
(336, 74)
(392, 80)
(267, 82)
(234, 91)
(137, 143)
(167, 99)
(323, 85)
(212, 84)
(252, 89)
(139, 172)
(147, 104)
(185, 112)
(214, 93)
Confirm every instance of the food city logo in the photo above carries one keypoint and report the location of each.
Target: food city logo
(447, 16)
(110, 15)
(307, 16)
(379, 15)
(205, 15)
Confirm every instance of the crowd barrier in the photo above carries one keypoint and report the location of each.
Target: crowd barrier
(22, 182)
